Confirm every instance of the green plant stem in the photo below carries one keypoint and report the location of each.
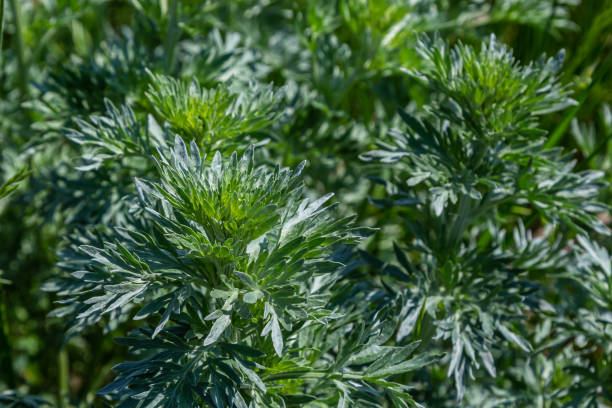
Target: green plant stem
(585, 163)
(540, 34)
(6, 362)
(1, 27)
(172, 35)
(63, 372)
(592, 39)
(22, 74)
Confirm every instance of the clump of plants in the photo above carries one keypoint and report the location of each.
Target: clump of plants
(304, 204)
(490, 213)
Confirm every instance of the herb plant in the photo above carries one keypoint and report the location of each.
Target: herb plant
(472, 175)
(347, 203)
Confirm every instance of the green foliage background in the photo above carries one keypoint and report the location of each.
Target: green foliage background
(93, 92)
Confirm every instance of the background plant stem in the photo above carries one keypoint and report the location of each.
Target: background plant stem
(22, 74)
(172, 35)
(6, 362)
(63, 372)
(1, 27)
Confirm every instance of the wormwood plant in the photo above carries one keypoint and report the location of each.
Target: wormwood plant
(489, 211)
(230, 278)
(215, 117)
(118, 143)
(231, 270)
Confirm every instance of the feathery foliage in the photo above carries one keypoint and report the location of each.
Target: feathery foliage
(174, 241)
(243, 264)
(470, 174)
